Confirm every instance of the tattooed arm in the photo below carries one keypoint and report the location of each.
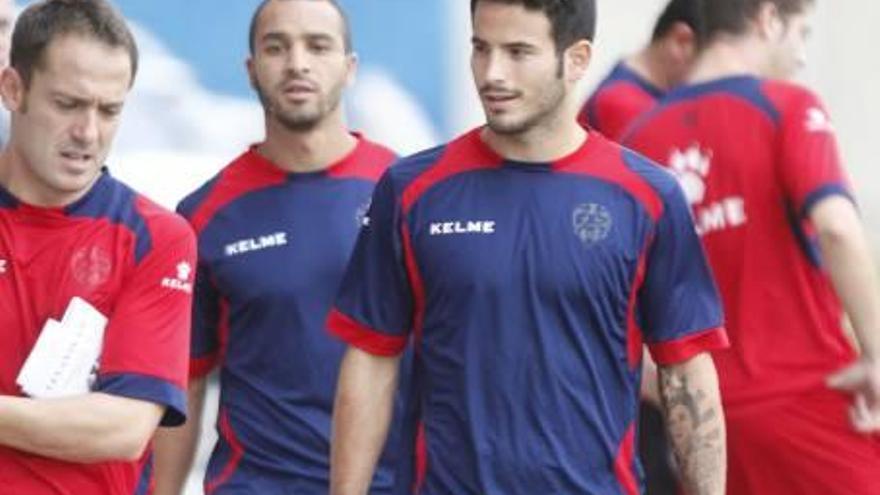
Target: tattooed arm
(690, 398)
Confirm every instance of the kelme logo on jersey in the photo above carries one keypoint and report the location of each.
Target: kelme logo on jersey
(4, 266)
(692, 167)
(252, 244)
(463, 227)
(592, 223)
(182, 281)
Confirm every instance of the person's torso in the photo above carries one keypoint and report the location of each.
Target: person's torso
(276, 255)
(722, 139)
(525, 278)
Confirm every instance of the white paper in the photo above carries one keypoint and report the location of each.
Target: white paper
(63, 361)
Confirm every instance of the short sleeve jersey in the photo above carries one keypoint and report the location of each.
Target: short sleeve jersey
(619, 99)
(528, 289)
(134, 262)
(754, 156)
(273, 247)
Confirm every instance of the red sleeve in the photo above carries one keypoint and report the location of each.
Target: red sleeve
(810, 167)
(615, 108)
(146, 343)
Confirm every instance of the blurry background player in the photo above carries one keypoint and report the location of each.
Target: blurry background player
(275, 231)
(637, 82)
(759, 162)
(67, 229)
(518, 257)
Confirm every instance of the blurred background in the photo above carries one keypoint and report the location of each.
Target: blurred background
(192, 111)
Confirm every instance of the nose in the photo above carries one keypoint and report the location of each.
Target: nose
(298, 59)
(495, 69)
(85, 129)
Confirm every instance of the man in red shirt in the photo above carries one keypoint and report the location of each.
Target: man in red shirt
(639, 80)
(70, 230)
(759, 163)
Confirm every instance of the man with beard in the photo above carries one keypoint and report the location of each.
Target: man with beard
(275, 229)
(528, 259)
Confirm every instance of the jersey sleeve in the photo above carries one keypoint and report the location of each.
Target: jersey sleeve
(208, 315)
(374, 308)
(679, 305)
(810, 164)
(146, 342)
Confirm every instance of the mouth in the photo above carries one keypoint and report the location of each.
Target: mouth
(498, 100)
(77, 157)
(299, 89)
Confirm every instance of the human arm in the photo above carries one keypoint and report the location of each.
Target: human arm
(94, 427)
(848, 261)
(174, 448)
(694, 417)
(361, 417)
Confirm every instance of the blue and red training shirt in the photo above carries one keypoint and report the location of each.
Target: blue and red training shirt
(754, 156)
(273, 247)
(528, 289)
(134, 262)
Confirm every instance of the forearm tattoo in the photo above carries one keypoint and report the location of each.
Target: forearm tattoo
(697, 434)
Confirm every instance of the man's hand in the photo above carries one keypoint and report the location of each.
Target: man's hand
(862, 379)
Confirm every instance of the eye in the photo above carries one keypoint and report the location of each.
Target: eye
(273, 49)
(66, 104)
(319, 47)
(111, 111)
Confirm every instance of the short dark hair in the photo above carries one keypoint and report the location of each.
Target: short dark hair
(346, 24)
(732, 16)
(571, 20)
(47, 20)
(687, 12)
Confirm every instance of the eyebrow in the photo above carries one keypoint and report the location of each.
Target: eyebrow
(285, 38)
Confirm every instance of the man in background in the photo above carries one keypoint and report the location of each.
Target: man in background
(759, 162)
(275, 229)
(637, 82)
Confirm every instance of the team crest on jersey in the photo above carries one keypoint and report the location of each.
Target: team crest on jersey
(592, 223)
(182, 282)
(362, 215)
(817, 121)
(91, 266)
(691, 167)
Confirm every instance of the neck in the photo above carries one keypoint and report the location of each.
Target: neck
(543, 143)
(308, 150)
(651, 65)
(728, 56)
(16, 177)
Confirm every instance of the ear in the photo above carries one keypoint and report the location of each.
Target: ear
(681, 42)
(769, 22)
(351, 63)
(577, 60)
(251, 72)
(12, 90)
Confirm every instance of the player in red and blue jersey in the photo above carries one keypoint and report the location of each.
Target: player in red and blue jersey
(68, 229)
(275, 230)
(528, 261)
(759, 162)
(637, 82)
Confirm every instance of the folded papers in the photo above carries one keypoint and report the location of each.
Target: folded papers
(64, 360)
